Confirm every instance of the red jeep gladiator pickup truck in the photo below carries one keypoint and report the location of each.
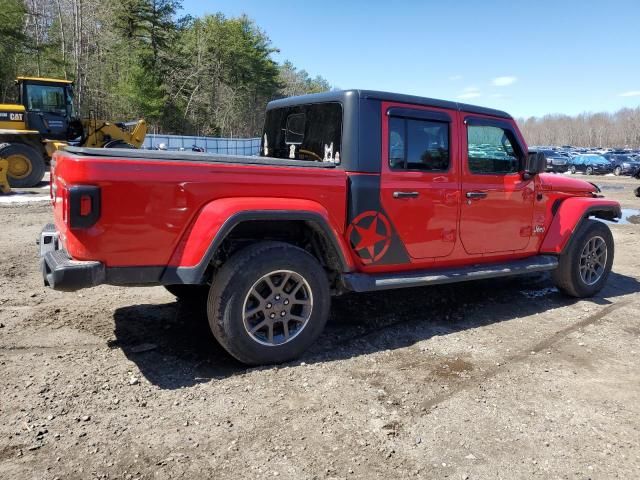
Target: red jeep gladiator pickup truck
(352, 191)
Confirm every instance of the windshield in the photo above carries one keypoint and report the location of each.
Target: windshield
(47, 98)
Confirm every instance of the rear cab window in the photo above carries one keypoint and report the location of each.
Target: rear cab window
(304, 132)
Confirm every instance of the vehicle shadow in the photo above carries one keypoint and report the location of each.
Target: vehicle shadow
(173, 347)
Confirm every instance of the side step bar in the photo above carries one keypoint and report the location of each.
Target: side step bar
(362, 282)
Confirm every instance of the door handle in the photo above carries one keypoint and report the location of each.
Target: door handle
(405, 194)
(476, 195)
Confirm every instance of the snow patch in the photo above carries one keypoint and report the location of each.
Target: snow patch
(24, 198)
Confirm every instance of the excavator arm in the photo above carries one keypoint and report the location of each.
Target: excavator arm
(100, 133)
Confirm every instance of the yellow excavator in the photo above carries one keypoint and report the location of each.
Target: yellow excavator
(44, 121)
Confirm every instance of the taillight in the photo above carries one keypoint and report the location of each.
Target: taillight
(83, 206)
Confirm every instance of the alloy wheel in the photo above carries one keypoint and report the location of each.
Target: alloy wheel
(593, 260)
(277, 308)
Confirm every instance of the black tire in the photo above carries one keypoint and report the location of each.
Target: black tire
(573, 169)
(589, 171)
(230, 290)
(188, 292)
(19, 152)
(567, 276)
(617, 171)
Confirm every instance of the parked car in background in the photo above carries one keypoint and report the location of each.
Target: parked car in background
(557, 162)
(590, 164)
(622, 164)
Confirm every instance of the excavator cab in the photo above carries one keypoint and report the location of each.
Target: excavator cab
(48, 105)
(43, 121)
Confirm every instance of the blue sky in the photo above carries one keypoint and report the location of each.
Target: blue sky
(526, 57)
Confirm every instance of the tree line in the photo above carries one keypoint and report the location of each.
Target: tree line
(619, 129)
(210, 75)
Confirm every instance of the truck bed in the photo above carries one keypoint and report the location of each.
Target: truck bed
(200, 157)
(149, 198)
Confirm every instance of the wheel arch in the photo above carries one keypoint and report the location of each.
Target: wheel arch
(222, 221)
(569, 217)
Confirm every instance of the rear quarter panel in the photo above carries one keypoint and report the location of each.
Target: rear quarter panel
(148, 205)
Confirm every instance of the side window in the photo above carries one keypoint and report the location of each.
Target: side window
(490, 150)
(418, 145)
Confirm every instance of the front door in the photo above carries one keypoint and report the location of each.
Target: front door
(497, 201)
(419, 185)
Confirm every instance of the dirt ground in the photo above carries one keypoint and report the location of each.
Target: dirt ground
(493, 379)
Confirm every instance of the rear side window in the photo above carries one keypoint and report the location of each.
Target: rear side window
(304, 132)
(418, 144)
(491, 151)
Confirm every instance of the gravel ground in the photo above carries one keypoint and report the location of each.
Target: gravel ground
(498, 379)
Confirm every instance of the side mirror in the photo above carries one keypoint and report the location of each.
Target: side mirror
(536, 163)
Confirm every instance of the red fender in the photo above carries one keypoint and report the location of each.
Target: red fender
(196, 241)
(569, 216)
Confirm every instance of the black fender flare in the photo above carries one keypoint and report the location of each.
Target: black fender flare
(195, 275)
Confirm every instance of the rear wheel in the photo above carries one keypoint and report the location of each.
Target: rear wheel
(268, 303)
(617, 171)
(584, 267)
(573, 169)
(26, 165)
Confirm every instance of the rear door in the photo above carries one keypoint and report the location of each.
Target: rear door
(497, 203)
(419, 184)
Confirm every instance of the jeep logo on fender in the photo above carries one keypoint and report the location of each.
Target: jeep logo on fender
(370, 236)
(11, 116)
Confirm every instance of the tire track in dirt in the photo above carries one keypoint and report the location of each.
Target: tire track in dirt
(519, 357)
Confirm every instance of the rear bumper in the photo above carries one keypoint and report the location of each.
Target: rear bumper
(60, 271)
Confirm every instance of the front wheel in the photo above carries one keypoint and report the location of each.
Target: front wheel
(589, 171)
(584, 267)
(573, 169)
(617, 171)
(268, 303)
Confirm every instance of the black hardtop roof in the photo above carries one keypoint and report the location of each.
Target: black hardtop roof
(342, 95)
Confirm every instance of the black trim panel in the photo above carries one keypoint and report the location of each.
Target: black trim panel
(195, 275)
(419, 114)
(76, 219)
(360, 282)
(61, 273)
(364, 199)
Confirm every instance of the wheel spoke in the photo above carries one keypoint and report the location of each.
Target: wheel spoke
(260, 325)
(285, 327)
(284, 282)
(301, 301)
(270, 333)
(253, 311)
(297, 318)
(270, 284)
(258, 295)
